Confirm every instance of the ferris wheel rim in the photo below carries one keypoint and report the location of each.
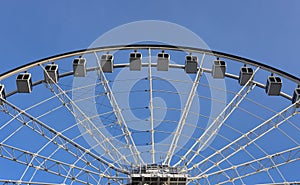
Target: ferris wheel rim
(215, 53)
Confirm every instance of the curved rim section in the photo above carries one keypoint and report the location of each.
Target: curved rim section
(152, 46)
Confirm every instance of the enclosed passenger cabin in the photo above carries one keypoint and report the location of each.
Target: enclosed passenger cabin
(51, 73)
(218, 69)
(191, 64)
(79, 67)
(24, 83)
(296, 97)
(163, 60)
(2, 93)
(245, 75)
(107, 63)
(273, 86)
(135, 61)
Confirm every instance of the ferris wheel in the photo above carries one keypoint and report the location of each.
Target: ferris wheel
(149, 114)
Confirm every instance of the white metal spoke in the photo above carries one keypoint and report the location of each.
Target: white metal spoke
(107, 169)
(184, 114)
(7, 182)
(90, 124)
(151, 106)
(223, 116)
(281, 183)
(249, 154)
(224, 172)
(259, 165)
(118, 113)
(60, 146)
(60, 140)
(89, 163)
(46, 164)
(246, 139)
(12, 134)
(62, 96)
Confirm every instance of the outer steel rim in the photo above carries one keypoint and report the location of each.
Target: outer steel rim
(146, 46)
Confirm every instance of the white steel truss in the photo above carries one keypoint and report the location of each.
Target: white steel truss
(87, 124)
(57, 138)
(49, 165)
(217, 123)
(246, 139)
(118, 113)
(151, 106)
(255, 166)
(17, 182)
(184, 114)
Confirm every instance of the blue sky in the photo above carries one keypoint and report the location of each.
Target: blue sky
(267, 31)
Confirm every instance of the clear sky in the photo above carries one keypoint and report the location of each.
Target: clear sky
(267, 31)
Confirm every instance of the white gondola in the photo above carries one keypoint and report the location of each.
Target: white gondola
(2, 94)
(51, 73)
(79, 67)
(273, 86)
(163, 60)
(245, 75)
(191, 64)
(135, 61)
(107, 63)
(24, 83)
(218, 69)
(296, 97)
